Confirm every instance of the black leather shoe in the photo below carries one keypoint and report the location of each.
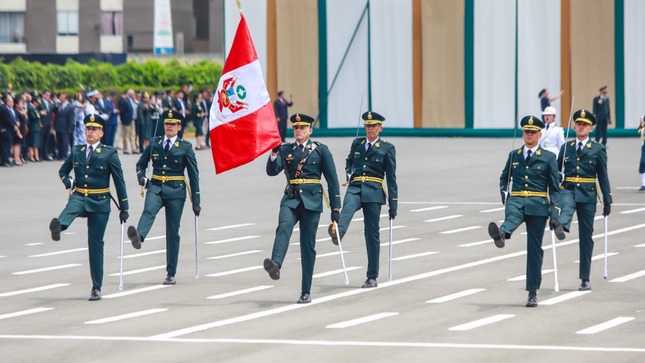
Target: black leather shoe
(332, 233)
(496, 234)
(585, 286)
(170, 280)
(272, 268)
(134, 237)
(642, 188)
(369, 283)
(559, 231)
(532, 301)
(55, 228)
(95, 295)
(305, 298)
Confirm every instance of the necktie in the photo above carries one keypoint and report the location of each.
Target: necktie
(167, 147)
(528, 156)
(369, 145)
(89, 153)
(302, 148)
(579, 148)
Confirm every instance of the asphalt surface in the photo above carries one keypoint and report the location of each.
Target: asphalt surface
(454, 296)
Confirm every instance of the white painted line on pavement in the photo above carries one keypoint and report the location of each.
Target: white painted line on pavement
(24, 312)
(152, 238)
(413, 256)
(59, 252)
(490, 240)
(388, 228)
(429, 208)
(640, 246)
(143, 254)
(44, 269)
(606, 325)
(231, 272)
(239, 292)
(454, 296)
(492, 210)
(400, 241)
(595, 219)
(633, 276)
(600, 256)
(141, 270)
(481, 322)
(135, 291)
(231, 240)
(234, 254)
(460, 230)
(35, 289)
(365, 319)
(632, 211)
(34, 244)
(564, 297)
(125, 316)
(444, 218)
(324, 299)
(335, 253)
(334, 272)
(627, 188)
(231, 226)
(523, 277)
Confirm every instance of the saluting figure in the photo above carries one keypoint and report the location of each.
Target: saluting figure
(370, 162)
(552, 135)
(303, 162)
(93, 163)
(535, 195)
(166, 188)
(585, 167)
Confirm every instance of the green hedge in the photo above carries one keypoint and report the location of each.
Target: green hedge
(149, 76)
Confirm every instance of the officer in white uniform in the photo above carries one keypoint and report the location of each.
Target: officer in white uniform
(552, 135)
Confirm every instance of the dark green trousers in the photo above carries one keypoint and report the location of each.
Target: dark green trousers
(96, 224)
(535, 232)
(308, 227)
(372, 214)
(174, 209)
(586, 214)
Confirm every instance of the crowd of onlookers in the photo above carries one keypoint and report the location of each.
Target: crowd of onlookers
(44, 126)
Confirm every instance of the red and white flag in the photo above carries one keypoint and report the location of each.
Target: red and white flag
(241, 122)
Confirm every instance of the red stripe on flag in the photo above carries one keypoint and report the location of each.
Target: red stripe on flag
(241, 141)
(242, 51)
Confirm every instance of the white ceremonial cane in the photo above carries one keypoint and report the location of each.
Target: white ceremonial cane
(389, 277)
(196, 247)
(556, 287)
(340, 249)
(605, 275)
(121, 269)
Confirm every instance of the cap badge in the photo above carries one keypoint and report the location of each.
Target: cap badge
(531, 120)
(170, 114)
(369, 115)
(92, 118)
(298, 118)
(583, 113)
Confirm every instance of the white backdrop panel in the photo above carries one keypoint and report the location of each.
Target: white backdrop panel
(494, 103)
(391, 58)
(255, 13)
(634, 62)
(345, 98)
(538, 55)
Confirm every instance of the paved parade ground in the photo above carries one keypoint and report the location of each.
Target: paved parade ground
(454, 296)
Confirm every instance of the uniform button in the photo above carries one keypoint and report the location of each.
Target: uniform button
(164, 166)
(578, 184)
(300, 190)
(365, 158)
(577, 167)
(364, 166)
(87, 167)
(578, 159)
(163, 172)
(526, 185)
(527, 166)
(86, 176)
(363, 173)
(86, 185)
(165, 157)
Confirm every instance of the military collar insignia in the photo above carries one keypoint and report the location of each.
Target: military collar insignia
(98, 150)
(538, 152)
(289, 157)
(308, 146)
(589, 145)
(519, 151)
(176, 144)
(377, 144)
(83, 148)
(573, 143)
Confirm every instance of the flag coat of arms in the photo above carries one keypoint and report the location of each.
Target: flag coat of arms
(242, 123)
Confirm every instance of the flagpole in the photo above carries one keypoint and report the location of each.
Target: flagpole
(239, 5)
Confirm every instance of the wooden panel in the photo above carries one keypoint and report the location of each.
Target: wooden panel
(592, 51)
(443, 64)
(297, 53)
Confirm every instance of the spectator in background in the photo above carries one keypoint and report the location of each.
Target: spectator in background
(7, 128)
(64, 125)
(21, 116)
(281, 107)
(79, 105)
(48, 142)
(35, 126)
(127, 110)
(180, 106)
(207, 102)
(112, 119)
(545, 101)
(603, 114)
(197, 113)
(144, 121)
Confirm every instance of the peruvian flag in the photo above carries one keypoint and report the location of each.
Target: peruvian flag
(241, 122)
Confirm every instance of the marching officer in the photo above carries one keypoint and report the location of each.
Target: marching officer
(166, 187)
(552, 135)
(535, 195)
(585, 167)
(303, 163)
(371, 160)
(602, 114)
(93, 163)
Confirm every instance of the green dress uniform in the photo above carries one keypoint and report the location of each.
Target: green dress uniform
(367, 167)
(302, 199)
(91, 197)
(167, 188)
(198, 119)
(583, 172)
(534, 196)
(602, 113)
